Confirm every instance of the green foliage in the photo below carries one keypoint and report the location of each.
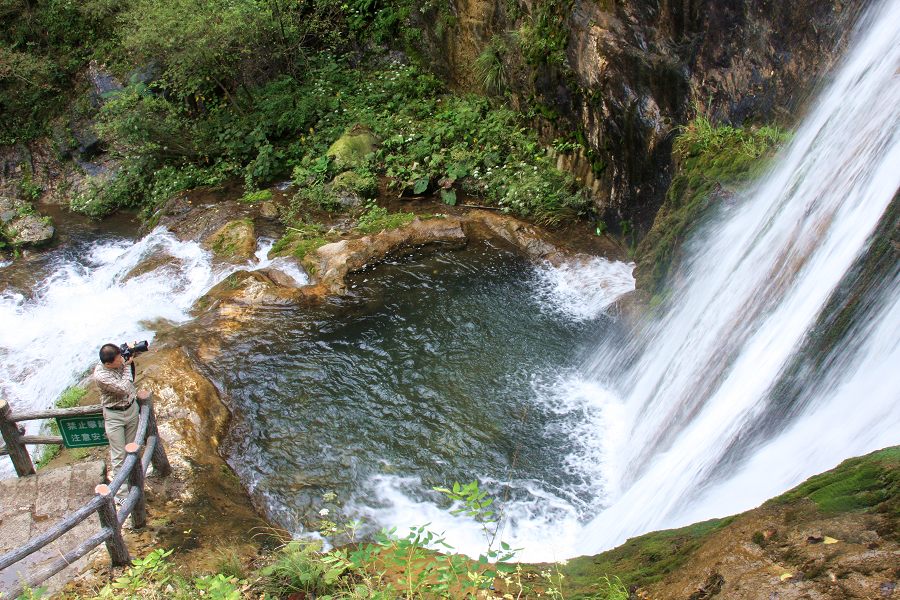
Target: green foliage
(30, 190)
(474, 500)
(44, 45)
(299, 241)
(70, 398)
(490, 68)
(252, 197)
(859, 484)
(707, 158)
(152, 569)
(543, 36)
(377, 219)
(298, 567)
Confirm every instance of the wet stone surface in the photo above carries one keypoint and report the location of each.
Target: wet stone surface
(31, 505)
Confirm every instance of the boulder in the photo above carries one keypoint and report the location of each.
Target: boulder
(103, 84)
(30, 230)
(87, 143)
(332, 262)
(21, 225)
(247, 289)
(351, 149)
(235, 239)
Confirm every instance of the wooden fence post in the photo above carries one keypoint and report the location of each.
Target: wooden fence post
(159, 459)
(15, 448)
(118, 551)
(136, 479)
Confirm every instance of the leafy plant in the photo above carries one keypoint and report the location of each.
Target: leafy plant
(152, 568)
(377, 219)
(489, 67)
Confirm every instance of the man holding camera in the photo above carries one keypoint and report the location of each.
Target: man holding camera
(115, 378)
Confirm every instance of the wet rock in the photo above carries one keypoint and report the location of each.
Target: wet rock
(268, 210)
(102, 82)
(525, 237)
(87, 143)
(235, 240)
(30, 230)
(249, 289)
(199, 214)
(351, 149)
(332, 262)
(146, 74)
(22, 226)
(279, 278)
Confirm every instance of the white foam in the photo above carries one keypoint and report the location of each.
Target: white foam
(543, 525)
(50, 339)
(286, 265)
(582, 289)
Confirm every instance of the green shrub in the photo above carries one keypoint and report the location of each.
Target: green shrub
(70, 398)
(377, 219)
(252, 197)
(707, 157)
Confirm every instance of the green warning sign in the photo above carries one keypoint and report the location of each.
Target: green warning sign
(81, 432)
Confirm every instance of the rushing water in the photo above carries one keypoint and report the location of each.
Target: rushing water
(99, 284)
(700, 387)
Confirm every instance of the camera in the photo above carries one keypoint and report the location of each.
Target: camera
(130, 351)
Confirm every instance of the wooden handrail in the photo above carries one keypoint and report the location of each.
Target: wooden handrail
(52, 413)
(133, 469)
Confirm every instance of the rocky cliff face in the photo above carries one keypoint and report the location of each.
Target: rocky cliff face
(621, 75)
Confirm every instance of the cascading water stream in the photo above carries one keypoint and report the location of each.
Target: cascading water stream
(755, 284)
(111, 290)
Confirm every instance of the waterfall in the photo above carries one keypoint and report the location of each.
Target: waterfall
(709, 430)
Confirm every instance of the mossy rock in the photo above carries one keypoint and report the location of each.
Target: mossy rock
(640, 561)
(365, 186)
(298, 243)
(235, 239)
(865, 483)
(351, 149)
(21, 225)
(711, 164)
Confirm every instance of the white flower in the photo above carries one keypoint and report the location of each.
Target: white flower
(324, 512)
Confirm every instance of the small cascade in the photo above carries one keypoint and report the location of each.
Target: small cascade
(113, 290)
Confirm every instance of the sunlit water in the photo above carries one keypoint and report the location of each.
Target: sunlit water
(102, 284)
(432, 371)
(725, 401)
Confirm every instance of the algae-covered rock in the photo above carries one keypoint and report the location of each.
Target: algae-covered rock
(31, 230)
(235, 239)
(351, 149)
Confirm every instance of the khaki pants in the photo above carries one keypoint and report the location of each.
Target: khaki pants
(121, 429)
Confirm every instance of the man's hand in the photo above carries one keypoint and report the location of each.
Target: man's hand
(143, 394)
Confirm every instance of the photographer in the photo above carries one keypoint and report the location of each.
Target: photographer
(115, 378)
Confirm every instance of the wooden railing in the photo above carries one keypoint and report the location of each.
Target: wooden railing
(133, 469)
